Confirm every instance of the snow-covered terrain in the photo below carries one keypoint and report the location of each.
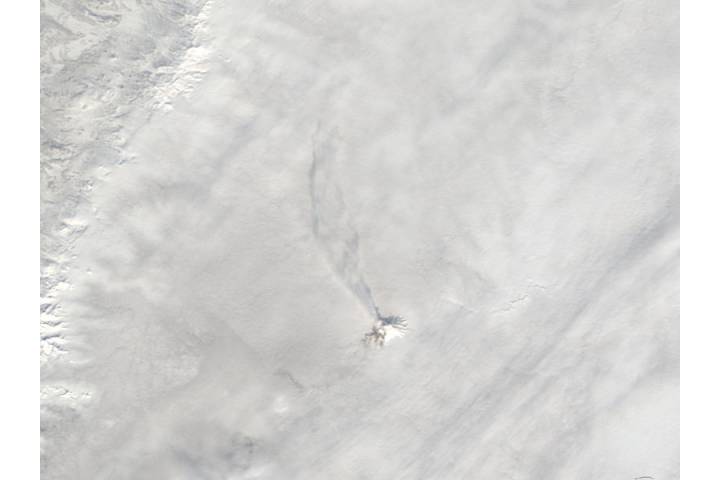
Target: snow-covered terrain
(359, 239)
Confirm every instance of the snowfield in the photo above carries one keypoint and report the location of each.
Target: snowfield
(339, 239)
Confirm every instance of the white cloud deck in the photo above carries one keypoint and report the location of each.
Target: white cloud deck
(236, 193)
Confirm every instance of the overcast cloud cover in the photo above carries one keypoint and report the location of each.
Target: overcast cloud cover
(359, 239)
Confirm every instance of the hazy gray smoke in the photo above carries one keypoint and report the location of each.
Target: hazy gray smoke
(332, 224)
